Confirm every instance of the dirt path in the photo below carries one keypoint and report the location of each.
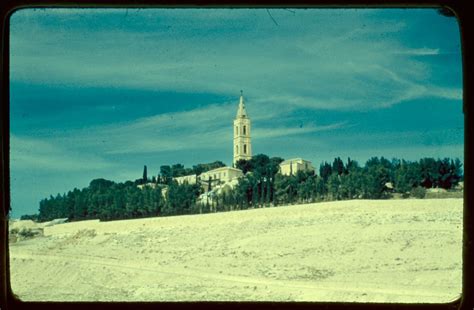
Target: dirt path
(307, 287)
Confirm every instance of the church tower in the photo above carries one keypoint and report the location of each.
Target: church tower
(242, 146)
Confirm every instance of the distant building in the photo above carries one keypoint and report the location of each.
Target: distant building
(216, 191)
(142, 186)
(190, 179)
(292, 166)
(219, 176)
(242, 145)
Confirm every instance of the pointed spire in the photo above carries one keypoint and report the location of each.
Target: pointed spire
(241, 112)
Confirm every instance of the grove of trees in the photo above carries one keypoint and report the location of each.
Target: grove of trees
(261, 185)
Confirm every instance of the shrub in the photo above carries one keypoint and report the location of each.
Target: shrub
(418, 192)
(14, 231)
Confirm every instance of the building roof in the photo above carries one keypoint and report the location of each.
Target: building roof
(288, 161)
(185, 176)
(222, 169)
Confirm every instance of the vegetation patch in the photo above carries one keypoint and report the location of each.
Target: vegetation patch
(261, 186)
(23, 233)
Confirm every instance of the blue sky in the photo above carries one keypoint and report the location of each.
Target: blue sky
(100, 93)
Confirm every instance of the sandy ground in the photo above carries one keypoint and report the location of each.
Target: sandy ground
(360, 250)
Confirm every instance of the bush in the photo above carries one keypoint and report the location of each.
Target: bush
(418, 192)
(405, 195)
(26, 232)
(14, 231)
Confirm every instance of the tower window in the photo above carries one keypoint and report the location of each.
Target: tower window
(236, 130)
(236, 149)
(245, 148)
(245, 130)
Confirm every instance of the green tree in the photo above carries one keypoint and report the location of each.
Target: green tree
(260, 163)
(325, 170)
(209, 184)
(165, 172)
(269, 189)
(429, 173)
(407, 176)
(177, 170)
(374, 182)
(255, 196)
(338, 166)
(244, 165)
(351, 165)
(145, 176)
(333, 184)
(351, 184)
(281, 189)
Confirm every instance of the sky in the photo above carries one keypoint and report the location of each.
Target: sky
(99, 93)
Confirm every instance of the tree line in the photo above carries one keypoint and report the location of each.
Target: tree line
(261, 185)
(379, 178)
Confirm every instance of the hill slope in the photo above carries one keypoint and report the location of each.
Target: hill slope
(360, 250)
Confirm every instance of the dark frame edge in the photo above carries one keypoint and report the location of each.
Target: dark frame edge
(5, 289)
(9, 301)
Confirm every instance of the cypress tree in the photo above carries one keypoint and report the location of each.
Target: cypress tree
(145, 177)
(209, 186)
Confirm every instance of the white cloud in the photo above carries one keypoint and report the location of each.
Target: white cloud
(281, 132)
(424, 51)
(444, 92)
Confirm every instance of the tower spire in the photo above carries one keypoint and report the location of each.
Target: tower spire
(241, 112)
(242, 143)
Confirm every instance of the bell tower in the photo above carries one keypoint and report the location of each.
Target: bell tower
(242, 145)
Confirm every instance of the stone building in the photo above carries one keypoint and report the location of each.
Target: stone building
(190, 179)
(242, 143)
(150, 185)
(219, 176)
(292, 166)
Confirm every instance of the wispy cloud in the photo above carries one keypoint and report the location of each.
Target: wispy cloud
(316, 65)
(445, 92)
(281, 132)
(418, 51)
(43, 154)
(205, 128)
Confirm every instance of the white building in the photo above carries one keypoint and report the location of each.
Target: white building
(292, 166)
(216, 191)
(151, 185)
(220, 175)
(242, 145)
(190, 179)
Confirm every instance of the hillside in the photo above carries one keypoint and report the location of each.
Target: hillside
(359, 250)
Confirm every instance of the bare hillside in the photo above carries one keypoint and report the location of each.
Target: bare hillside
(360, 250)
